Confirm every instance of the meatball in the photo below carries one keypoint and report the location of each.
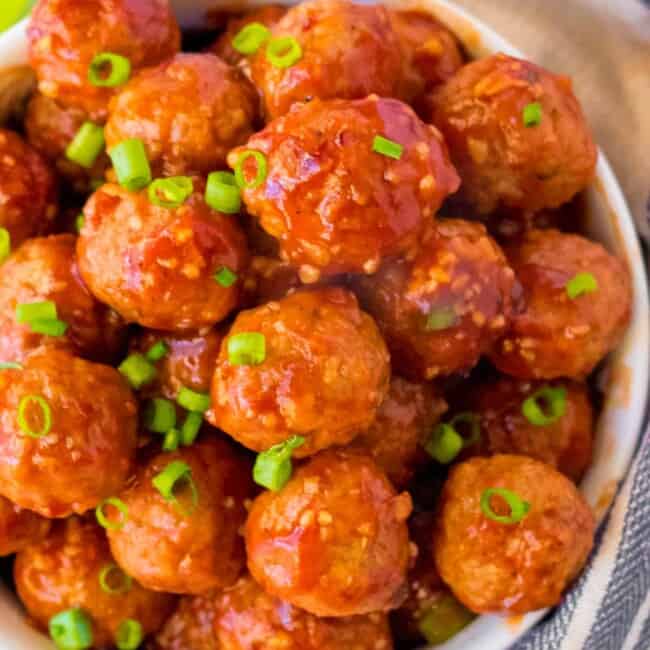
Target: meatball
(247, 618)
(45, 269)
(269, 279)
(404, 421)
(513, 568)
(324, 374)
(564, 443)
(431, 53)
(64, 571)
(19, 528)
(334, 204)
(189, 361)
(558, 335)
(156, 266)
(50, 128)
(443, 309)
(189, 543)
(67, 433)
(28, 196)
(65, 35)
(348, 51)
(190, 627)
(516, 133)
(334, 539)
(189, 112)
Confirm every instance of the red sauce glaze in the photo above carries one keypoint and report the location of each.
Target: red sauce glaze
(19, 527)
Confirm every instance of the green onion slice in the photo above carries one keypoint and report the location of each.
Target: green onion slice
(473, 421)
(441, 318)
(283, 51)
(387, 147)
(159, 415)
(129, 635)
(113, 580)
(532, 114)
(71, 630)
(261, 169)
(131, 164)
(580, 284)
(104, 521)
(444, 619)
(273, 467)
(225, 278)
(444, 444)
(193, 400)
(222, 193)
(5, 244)
(545, 406)
(518, 507)
(27, 312)
(87, 145)
(108, 70)
(49, 327)
(172, 440)
(44, 416)
(250, 38)
(191, 427)
(170, 192)
(79, 222)
(157, 351)
(171, 481)
(138, 370)
(246, 349)
(10, 365)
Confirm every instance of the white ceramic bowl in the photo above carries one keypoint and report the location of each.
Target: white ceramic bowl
(626, 378)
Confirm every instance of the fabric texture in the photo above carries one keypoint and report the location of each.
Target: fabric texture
(605, 46)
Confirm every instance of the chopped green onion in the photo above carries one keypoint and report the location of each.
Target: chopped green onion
(473, 420)
(260, 174)
(171, 440)
(444, 444)
(79, 222)
(545, 406)
(26, 312)
(191, 428)
(246, 349)
(129, 635)
(193, 401)
(174, 476)
(10, 365)
(48, 326)
(138, 370)
(283, 51)
(441, 318)
(159, 415)
(45, 416)
(157, 351)
(580, 284)
(170, 192)
(87, 145)
(387, 147)
(532, 115)
(104, 521)
(273, 467)
(71, 630)
(444, 619)
(518, 507)
(250, 38)
(119, 70)
(225, 277)
(131, 164)
(222, 193)
(5, 244)
(113, 580)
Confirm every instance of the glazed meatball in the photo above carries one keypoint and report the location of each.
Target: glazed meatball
(324, 374)
(404, 421)
(189, 112)
(189, 361)
(190, 543)
(334, 204)
(27, 190)
(565, 442)
(50, 128)
(334, 539)
(67, 433)
(154, 265)
(348, 51)
(431, 53)
(19, 528)
(507, 153)
(513, 568)
(45, 269)
(247, 618)
(190, 627)
(63, 571)
(558, 335)
(447, 306)
(65, 35)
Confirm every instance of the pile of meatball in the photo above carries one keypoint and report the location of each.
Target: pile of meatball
(397, 318)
